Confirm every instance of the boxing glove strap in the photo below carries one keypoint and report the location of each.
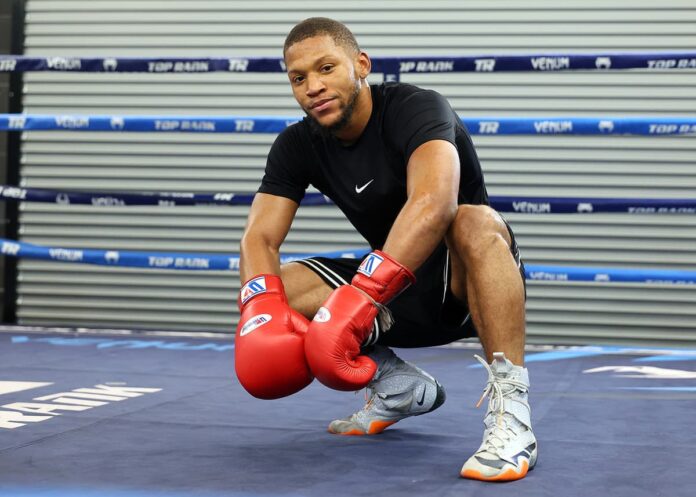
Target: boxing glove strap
(382, 277)
(261, 284)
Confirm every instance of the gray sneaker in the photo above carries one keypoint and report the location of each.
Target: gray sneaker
(509, 448)
(398, 390)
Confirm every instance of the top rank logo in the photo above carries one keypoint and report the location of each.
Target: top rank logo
(672, 63)
(179, 66)
(426, 66)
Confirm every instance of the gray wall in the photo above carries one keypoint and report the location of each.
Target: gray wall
(54, 293)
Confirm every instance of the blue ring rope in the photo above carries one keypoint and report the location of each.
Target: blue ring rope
(528, 205)
(646, 126)
(208, 262)
(392, 66)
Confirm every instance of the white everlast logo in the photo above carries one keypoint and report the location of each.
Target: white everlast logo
(255, 322)
(323, 315)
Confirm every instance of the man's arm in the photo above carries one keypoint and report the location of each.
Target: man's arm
(432, 185)
(270, 218)
(269, 343)
(335, 336)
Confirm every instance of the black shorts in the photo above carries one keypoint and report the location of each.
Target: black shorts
(426, 313)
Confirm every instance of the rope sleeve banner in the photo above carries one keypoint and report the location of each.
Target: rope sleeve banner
(207, 262)
(647, 126)
(651, 61)
(526, 205)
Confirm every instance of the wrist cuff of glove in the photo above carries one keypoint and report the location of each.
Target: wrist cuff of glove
(261, 284)
(382, 277)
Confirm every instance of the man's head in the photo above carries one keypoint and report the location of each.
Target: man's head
(322, 26)
(327, 72)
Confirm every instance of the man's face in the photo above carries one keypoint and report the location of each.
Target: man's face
(325, 80)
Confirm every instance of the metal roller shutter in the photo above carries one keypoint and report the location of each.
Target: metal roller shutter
(62, 294)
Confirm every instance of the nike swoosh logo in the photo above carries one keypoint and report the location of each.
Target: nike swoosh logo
(422, 399)
(359, 189)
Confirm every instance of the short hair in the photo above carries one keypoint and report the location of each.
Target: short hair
(316, 26)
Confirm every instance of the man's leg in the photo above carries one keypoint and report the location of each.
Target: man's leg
(399, 389)
(305, 290)
(486, 276)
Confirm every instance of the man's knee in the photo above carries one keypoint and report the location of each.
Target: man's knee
(476, 228)
(305, 290)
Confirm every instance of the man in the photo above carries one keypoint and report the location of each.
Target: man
(398, 162)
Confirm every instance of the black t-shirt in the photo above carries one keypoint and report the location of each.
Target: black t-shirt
(367, 179)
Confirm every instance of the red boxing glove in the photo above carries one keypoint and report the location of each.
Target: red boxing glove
(382, 277)
(269, 344)
(344, 322)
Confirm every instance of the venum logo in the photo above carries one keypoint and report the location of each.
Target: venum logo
(553, 127)
(254, 323)
(606, 126)
(72, 122)
(68, 255)
(532, 207)
(107, 201)
(550, 63)
(110, 64)
(112, 257)
(603, 62)
(63, 64)
(117, 123)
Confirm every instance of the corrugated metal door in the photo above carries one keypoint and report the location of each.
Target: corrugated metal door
(65, 294)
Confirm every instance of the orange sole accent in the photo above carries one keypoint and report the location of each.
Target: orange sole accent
(509, 475)
(349, 433)
(376, 427)
(379, 426)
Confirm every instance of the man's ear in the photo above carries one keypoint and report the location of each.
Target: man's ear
(364, 65)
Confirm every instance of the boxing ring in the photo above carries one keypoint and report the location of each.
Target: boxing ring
(92, 412)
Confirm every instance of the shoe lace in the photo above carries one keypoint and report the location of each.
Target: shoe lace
(370, 394)
(498, 388)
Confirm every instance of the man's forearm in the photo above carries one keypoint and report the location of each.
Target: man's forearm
(256, 256)
(419, 228)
